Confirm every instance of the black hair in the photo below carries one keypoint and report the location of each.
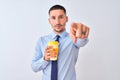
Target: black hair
(56, 7)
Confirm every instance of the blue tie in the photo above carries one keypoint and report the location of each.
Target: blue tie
(54, 70)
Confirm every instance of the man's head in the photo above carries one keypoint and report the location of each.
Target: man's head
(57, 18)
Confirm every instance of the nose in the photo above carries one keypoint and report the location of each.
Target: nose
(57, 21)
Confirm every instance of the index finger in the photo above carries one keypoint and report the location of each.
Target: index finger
(48, 47)
(79, 30)
(87, 32)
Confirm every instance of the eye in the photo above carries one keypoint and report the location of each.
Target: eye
(52, 17)
(61, 16)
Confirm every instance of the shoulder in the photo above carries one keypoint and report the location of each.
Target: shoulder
(44, 38)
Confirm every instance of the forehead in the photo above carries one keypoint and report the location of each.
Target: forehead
(57, 12)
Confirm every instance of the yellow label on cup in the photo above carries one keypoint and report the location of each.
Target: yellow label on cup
(54, 50)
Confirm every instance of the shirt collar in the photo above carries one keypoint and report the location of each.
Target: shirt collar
(62, 35)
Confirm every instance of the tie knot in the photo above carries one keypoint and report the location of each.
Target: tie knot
(57, 38)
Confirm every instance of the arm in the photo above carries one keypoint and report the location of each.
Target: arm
(38, 62)
(81, 42)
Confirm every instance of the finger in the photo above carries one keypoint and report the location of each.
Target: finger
(83, 31)
(48, 54)
(72, 34)
(46, 50)
(47, 58)
(79, 30)
(74, 26)
(73, 38)
(87, 32)
(73, 30)
(48, 47)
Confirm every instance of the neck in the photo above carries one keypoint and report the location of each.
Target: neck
(58, 32)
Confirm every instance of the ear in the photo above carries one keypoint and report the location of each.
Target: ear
(66, 18)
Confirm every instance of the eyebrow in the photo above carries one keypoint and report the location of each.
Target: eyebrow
(58, 16)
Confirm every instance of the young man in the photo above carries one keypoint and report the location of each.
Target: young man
(69, 45)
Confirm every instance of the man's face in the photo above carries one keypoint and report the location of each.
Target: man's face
(58, 19)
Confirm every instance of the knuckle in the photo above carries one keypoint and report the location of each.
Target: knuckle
(88, 28)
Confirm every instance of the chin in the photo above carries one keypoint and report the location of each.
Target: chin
(59, 30)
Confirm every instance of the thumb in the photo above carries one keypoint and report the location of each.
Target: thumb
(74, 38)
(74, 26)
(73, 31)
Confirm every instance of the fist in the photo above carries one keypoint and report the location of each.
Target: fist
(47, 53)
(78, 30)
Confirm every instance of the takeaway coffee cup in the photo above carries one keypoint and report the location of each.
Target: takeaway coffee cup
(54, 50)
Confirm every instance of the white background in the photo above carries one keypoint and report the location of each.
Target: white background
(22, 22)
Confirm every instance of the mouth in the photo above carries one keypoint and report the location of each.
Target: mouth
(58, 28)
(58, 25)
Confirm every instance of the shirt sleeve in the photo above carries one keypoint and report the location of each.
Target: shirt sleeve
(38, 62)
(81, 42)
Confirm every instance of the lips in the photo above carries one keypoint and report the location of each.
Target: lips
(58, 25)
